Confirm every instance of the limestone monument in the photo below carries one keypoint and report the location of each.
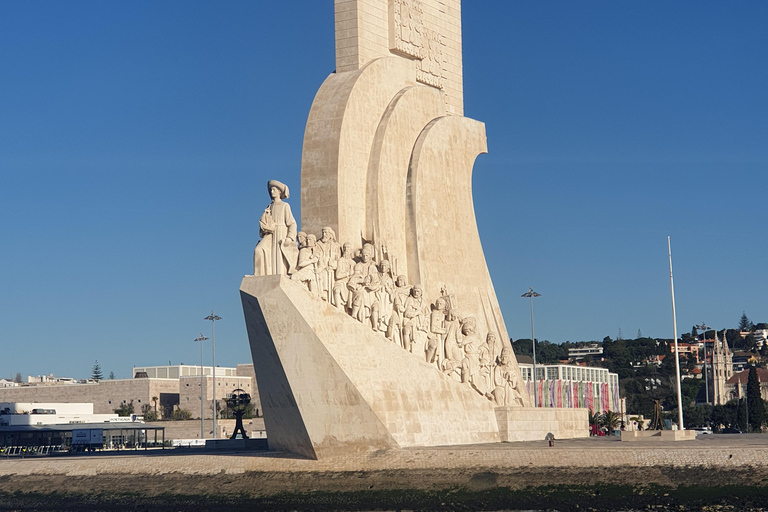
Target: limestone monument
(386, 332)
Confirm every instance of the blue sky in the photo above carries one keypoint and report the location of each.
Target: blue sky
(136, 139)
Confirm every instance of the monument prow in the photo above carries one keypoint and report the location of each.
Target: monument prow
(385, 329)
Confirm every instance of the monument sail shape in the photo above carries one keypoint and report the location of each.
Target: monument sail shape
(386, 331)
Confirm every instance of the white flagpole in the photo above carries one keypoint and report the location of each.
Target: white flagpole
(677, 352)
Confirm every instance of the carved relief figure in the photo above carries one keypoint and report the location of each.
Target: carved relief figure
(437, 330)
(506, 390)
(305, 268)
(414, 317)
(381, 309)
(395, 327)
(328, 253)
(487, 360)
(345, 267)
(276, 252)
(362, 285)
(470, 363)
(453, 343)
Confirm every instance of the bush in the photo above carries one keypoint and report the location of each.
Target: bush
(181, 414)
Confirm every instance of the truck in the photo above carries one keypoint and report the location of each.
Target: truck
(87, 439)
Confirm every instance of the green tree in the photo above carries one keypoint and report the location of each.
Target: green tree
(744, 323)
(610, 420)
(754, 400)
(96, 371)
(181, 414)
(522, 347)
(111, 375)
(148, 413)
(698, 416)
(17, 378)
(741, 414)
(125, 409)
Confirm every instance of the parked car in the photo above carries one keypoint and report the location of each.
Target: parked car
(732, 430)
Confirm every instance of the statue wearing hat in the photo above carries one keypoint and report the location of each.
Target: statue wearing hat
(276, 252)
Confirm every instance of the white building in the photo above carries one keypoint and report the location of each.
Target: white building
(565, 385)
(177, 371)
(591, 350)
(15, 414)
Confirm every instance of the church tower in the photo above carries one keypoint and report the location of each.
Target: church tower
(722, 369)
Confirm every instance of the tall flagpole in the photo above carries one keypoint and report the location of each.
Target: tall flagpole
(677, 352)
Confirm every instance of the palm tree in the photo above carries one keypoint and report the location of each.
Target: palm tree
(154, 399)
(610, 420)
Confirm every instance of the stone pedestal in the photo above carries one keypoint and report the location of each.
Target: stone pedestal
(330, 385)
(534, 423)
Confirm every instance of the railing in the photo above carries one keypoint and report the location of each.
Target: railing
(30, 451)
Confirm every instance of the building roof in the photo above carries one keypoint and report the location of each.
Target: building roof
(741, 377)
(132, 425)
(524, 359)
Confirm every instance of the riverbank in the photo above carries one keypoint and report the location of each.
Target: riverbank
(724, 471)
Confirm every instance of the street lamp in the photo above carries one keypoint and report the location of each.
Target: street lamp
(531, 294)
(212, 317)
(201, 339)
(704, 328)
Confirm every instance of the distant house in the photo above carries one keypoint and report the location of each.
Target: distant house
(590, 350)
(5, 383)
(687, 350)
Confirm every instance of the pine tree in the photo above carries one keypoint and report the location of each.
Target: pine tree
(744, 323)
(639, 334)
(96, 372)
(111, 375)
(754, 400)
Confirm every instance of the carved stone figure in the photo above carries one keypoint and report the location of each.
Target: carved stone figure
(470, 363)
(328, 253)
(487, 357)
(276, 252)
(381, 309)
(453, 343)
(414, 317)
(437, 330)
(395, 327)
(506, 386)
(305, 268)
(345, 267)
(363, 283)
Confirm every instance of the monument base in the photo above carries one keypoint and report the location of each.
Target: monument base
(535, 423)
(658, 435)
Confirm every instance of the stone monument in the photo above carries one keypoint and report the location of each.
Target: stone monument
(385, 331)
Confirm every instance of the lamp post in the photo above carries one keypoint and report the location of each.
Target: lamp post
(212, 317)
(704, 328)
(201, 339)
(531, 294)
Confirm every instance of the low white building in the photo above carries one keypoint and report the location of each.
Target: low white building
(566, 385)
(591, 350)
(16, 414)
